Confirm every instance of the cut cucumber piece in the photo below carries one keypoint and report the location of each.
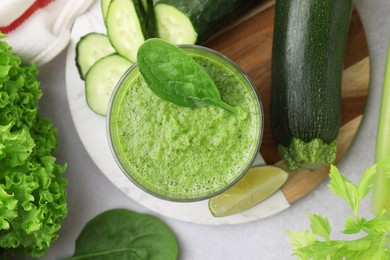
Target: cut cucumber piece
(199, 19)
(173, 25)
(124, 28)
(104, 6)
(101, 80)
(89, 49)
(145, 13)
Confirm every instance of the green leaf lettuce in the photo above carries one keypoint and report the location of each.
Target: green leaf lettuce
(32, 189)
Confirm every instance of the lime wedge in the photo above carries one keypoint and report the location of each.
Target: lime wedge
(255, 186)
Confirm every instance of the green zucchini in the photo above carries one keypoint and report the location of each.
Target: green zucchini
(189, 22)
(147, 18)
(307, 62)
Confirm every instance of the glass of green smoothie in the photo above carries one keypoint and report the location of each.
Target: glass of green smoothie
(185, 154)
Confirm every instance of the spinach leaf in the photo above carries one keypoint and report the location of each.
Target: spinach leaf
(122, 234)
(174, 76)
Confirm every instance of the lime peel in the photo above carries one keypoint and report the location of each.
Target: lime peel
(256, 185)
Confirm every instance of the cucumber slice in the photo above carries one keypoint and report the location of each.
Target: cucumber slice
(145, 13)
(124, 29)
(101, 80)
(173, 25)
(196, 21)
(89, 49)
(104, 6)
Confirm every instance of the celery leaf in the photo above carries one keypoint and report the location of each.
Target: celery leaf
(366, 182)
(373, 241)
(343, 188)
(320, 226)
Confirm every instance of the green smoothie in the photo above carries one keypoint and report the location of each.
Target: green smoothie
(181, 153)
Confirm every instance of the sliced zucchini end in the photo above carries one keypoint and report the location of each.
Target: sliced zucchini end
(173, 25)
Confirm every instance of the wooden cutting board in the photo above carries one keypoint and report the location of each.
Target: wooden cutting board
(249, 44)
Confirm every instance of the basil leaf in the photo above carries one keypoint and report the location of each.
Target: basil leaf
(174, 76)
(124, 234)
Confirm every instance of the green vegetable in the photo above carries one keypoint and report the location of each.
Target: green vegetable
(174, 76)
(128, 23)
(90, 49)
(123, 234)
(32, 189)
(104, 4)
(373, 241)
(196, 21)
(381, 191)
(126, 27)
(307, 63)
(101, 80)
(147, 18)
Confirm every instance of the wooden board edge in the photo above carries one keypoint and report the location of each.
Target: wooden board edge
(263, 5)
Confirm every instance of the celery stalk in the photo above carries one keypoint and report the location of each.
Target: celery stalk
(381, 189)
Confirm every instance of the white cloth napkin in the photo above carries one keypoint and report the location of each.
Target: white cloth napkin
(38, 30)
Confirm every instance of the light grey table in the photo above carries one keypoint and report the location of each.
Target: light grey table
(90, 193)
